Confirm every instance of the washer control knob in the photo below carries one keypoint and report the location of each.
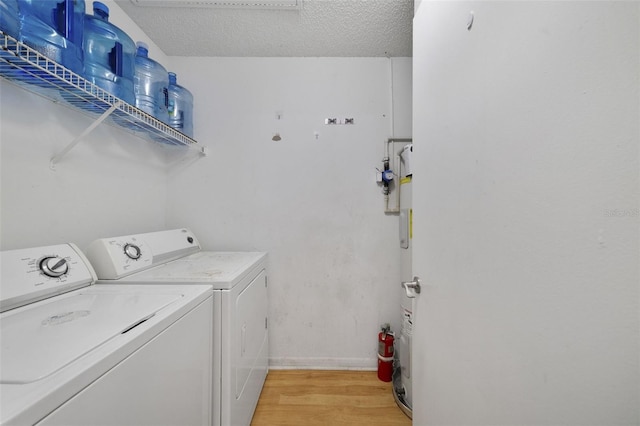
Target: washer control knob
(132, 251)
(54, 266)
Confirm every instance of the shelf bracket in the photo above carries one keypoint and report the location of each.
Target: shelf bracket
(56, 159)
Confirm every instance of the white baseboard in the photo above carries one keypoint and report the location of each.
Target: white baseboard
(323, 364)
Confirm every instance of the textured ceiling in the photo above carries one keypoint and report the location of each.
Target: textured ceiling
(321, 28)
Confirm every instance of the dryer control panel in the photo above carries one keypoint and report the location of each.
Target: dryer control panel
(29, 275)
(117, 257)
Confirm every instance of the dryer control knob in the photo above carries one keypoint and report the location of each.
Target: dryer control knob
(54, 266)
(132, 251)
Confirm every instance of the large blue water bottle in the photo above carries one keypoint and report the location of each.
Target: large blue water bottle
(180, 107)
(109, 54)
(150, 84)
(9, 19)
(55, 29)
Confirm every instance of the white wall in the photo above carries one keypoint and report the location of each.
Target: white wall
(112, 183)
(526, 205)
(312, 203)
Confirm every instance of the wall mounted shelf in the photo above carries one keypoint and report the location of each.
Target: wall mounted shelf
(36, 73)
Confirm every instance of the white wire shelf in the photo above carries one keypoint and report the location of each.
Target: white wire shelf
(36, 73)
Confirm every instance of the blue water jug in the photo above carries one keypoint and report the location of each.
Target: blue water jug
(150, 84)
(109, 54)
(9, 19)
(55, 29)
(180, 107)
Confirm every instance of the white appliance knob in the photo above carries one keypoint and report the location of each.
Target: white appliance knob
(132, 251)
(54, 266)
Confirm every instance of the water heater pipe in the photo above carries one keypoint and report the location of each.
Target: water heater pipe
(388, 143)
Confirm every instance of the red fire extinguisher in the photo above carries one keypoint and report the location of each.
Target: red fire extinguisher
(385, 353)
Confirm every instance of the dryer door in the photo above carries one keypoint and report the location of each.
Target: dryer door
(251, 353)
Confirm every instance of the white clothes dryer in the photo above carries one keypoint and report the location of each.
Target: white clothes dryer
(239, 320)
(73, 353)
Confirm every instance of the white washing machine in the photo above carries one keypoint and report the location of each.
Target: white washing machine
(239, 320)
(73, 353)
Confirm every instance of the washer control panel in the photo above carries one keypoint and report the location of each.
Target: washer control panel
(28, 275)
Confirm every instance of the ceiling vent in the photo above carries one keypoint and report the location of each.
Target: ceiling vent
(223, 4)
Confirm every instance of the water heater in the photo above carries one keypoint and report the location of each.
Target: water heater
(405, 158)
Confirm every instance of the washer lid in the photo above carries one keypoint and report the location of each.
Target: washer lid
(40, 339)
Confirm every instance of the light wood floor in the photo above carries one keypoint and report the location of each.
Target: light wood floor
(326, 398)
